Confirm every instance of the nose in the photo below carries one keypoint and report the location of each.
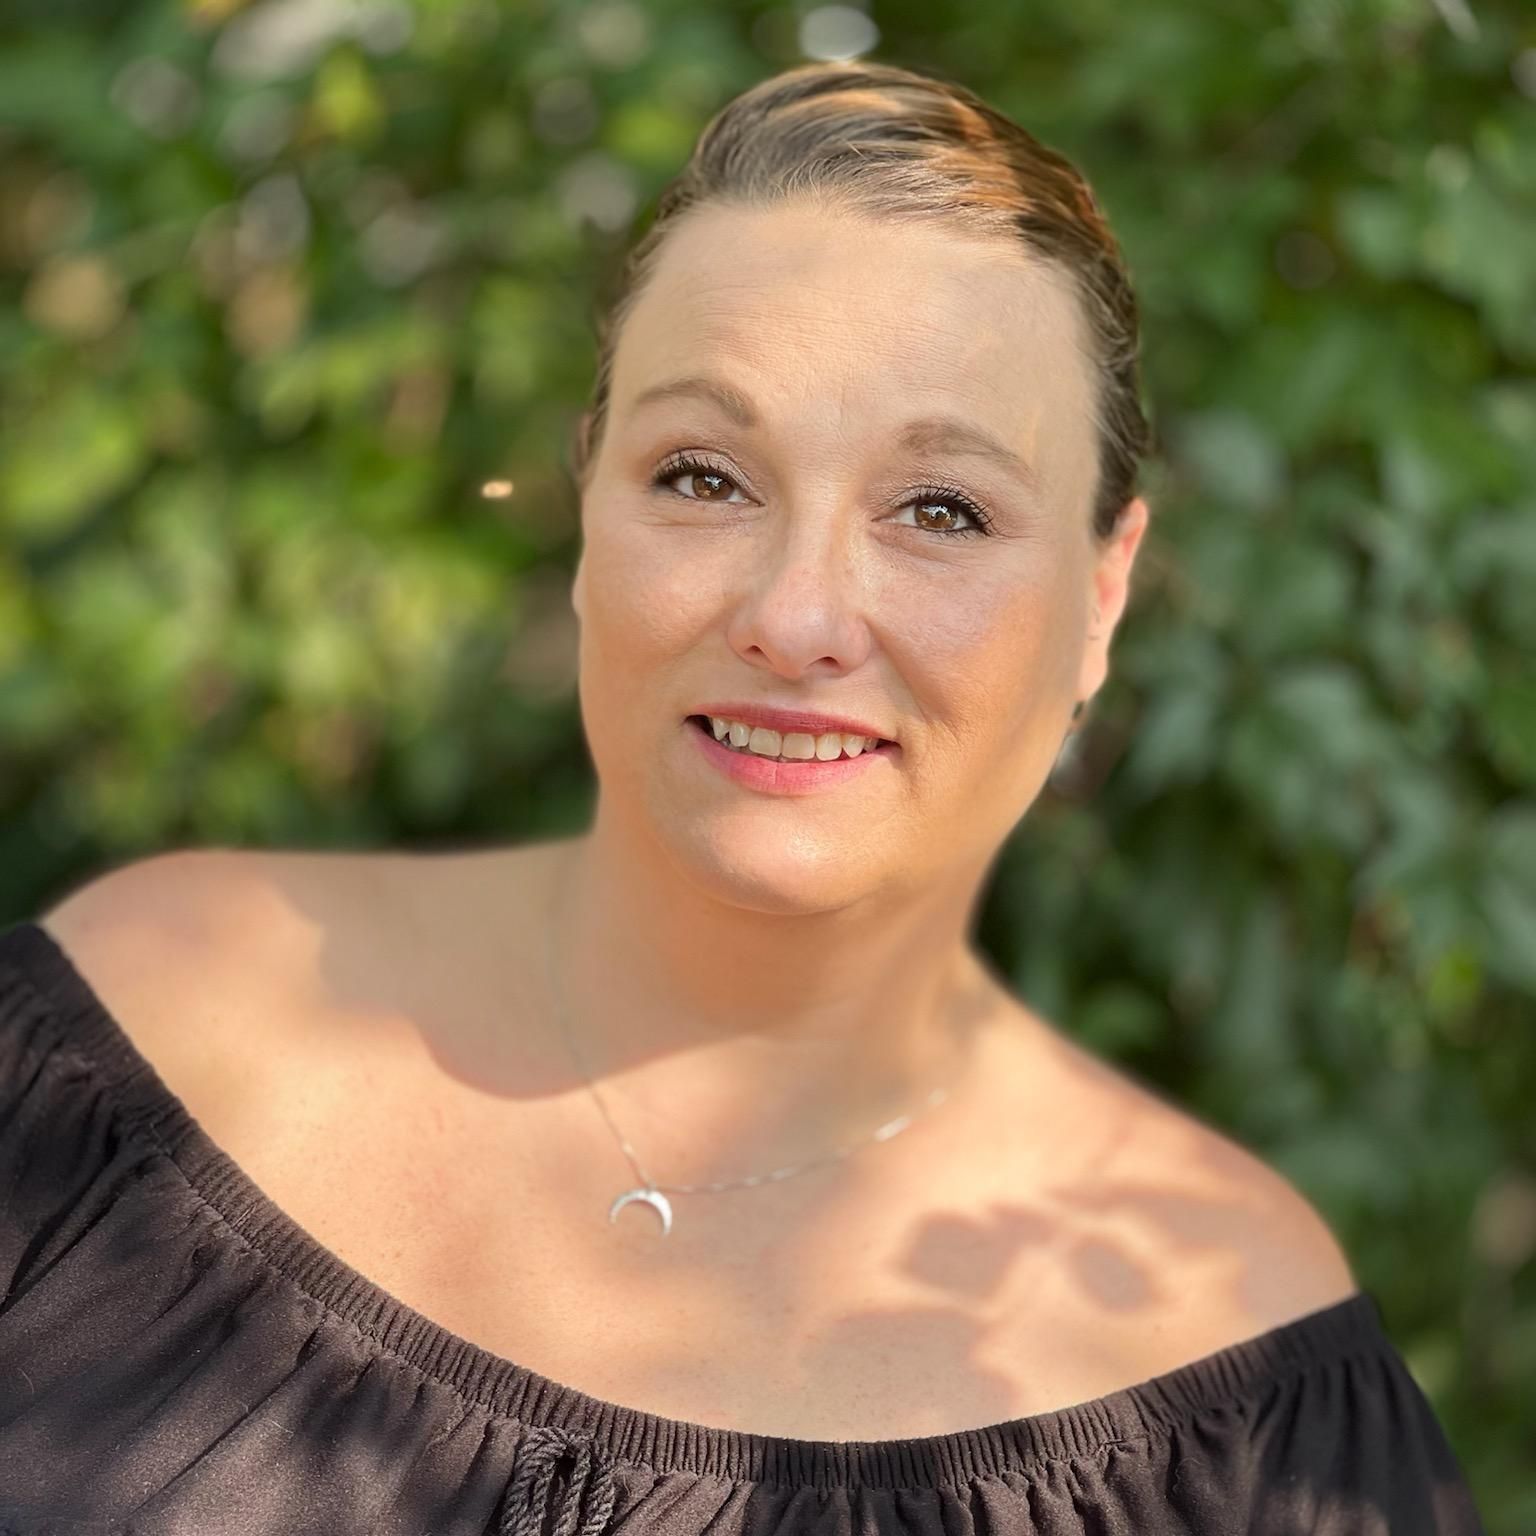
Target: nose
(803, 601)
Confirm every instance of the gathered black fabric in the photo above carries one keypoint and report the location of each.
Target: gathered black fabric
(178, 1357)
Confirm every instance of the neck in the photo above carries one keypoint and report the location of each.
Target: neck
(728, 1040)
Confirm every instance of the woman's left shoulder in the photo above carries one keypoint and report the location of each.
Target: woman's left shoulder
(1188, 1192)
(1281, 1250)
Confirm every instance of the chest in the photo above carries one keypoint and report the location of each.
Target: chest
(829, 1314)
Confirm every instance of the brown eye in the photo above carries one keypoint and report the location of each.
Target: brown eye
(951, 514)
(952, 506)
(705, 480)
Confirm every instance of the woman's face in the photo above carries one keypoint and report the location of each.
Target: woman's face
(805, 565)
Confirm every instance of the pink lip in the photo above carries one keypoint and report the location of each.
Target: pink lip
(775, 778)
(783, 720)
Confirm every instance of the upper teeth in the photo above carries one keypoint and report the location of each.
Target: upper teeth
(793, 744)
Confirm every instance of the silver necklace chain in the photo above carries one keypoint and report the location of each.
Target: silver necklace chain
(882, 1133)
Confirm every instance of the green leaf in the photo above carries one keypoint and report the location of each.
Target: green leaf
(63, 462)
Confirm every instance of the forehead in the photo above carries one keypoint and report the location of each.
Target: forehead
(843, 315)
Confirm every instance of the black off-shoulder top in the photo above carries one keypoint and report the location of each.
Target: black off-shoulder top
(178, 1357)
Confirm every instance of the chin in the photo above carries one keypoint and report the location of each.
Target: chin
(746, 860)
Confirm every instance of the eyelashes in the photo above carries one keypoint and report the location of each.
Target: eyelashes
(678, 464)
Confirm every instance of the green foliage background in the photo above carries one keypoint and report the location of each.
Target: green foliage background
(276, 302)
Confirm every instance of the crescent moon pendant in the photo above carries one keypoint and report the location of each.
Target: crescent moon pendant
(651, 1197)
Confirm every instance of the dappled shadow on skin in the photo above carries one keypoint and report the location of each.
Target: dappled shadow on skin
(970, 1259)
(1031, 1307)
(1109, 1276)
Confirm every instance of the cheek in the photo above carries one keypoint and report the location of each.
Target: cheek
(1006, 649)
(990, 676)
(646, 597)
(635, 594)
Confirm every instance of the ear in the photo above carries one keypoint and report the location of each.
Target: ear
(1111, 588)
(578, 585)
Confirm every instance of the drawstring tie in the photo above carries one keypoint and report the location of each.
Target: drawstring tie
(584, 1505)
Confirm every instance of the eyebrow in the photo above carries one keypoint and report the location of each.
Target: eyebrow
(930, 434)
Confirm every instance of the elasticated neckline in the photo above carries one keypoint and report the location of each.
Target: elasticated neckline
(149, 1110)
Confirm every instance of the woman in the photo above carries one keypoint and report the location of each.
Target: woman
(695, 1174)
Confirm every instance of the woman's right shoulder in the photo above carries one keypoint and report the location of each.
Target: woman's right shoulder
(183, 947)
(166, 892)
(142, 923)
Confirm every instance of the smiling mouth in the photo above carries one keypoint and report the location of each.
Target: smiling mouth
(702, 723)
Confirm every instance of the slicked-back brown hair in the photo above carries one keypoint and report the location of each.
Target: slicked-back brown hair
(900, 145)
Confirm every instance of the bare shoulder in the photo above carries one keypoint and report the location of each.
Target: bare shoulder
(153, 890)
(196, 952)
(1292, 1262)
(216, 960)
(1185, 1229)
(144, 923)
